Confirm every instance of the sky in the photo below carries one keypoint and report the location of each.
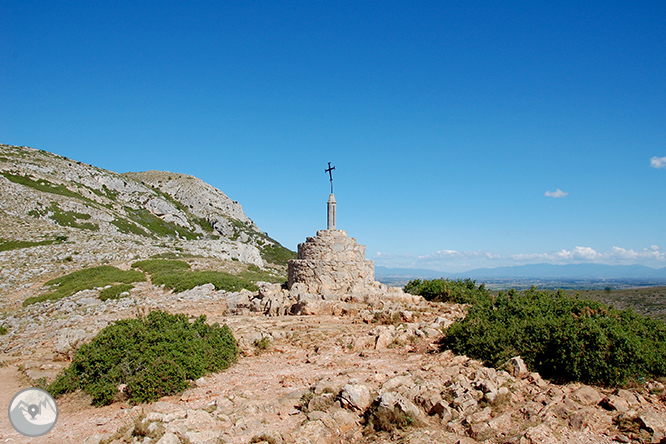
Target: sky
(464, 134)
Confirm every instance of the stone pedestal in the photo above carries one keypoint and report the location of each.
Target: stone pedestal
(332, 263)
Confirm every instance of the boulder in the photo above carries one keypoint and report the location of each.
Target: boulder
(355, 397)
(516, 367)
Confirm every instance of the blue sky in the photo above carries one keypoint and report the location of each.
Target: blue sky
(452, 124)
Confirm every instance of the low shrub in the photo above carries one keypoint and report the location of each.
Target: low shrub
(561, 337)
(446, 290)
(154, 356)
(86, 279)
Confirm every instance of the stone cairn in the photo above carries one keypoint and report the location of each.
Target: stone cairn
(331, 262)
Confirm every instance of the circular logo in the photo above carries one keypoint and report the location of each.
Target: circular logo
(33, 412)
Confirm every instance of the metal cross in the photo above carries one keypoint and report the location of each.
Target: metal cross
(330, 174)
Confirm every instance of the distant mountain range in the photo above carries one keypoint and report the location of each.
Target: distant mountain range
(534, 271)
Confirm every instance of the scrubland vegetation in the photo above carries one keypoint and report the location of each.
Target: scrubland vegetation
(153, 356)
(564, 338)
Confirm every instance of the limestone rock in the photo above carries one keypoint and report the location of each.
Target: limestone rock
(516, 367)
(355, 397)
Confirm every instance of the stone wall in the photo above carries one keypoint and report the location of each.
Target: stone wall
(332, 263)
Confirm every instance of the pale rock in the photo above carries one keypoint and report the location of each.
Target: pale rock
(655, 424)
(398, 382)
(391, 401)
(345, 420)
(355, 397)
(516, 367)
(541, 434)
(321, 402)
(69, 340)
(428, 399)
(614, 403)
(94, 439)
(312, 432)
(169, 438)
(586, 395)
(384, 339)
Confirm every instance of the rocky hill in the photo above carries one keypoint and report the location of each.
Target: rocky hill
(59, 214)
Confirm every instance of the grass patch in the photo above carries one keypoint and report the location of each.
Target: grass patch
(276, 254)
(86, 279)
(42, 185)
(127, 227)
(114, 291)
(154, 356)
(157, 226)
(3, 330)
(256, 274)
(6, 245)
(181, 281)
(156, 266)
(177, 276)
(563, 338)
(72, 218)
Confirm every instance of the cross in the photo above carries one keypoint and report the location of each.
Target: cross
(330, 174)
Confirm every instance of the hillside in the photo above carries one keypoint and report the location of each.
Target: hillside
(58, 214)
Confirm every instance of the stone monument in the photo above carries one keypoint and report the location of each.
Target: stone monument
(331, 262)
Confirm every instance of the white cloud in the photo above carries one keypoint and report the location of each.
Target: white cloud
(458, 261)
(452, 254)
(578, 254)
(658, 162)
(588, 254)
(556, 194)
(653, 252)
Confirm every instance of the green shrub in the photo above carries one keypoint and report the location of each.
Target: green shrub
(3, 330)
(154, 357)
(446, 290)
(86, 279)
(563, 338)
(115, 291)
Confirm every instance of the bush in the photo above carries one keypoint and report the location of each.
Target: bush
(446, 290)
(154, 357)
(86, 279)
(563, 338)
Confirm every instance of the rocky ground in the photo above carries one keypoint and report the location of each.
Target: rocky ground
(363, 369)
